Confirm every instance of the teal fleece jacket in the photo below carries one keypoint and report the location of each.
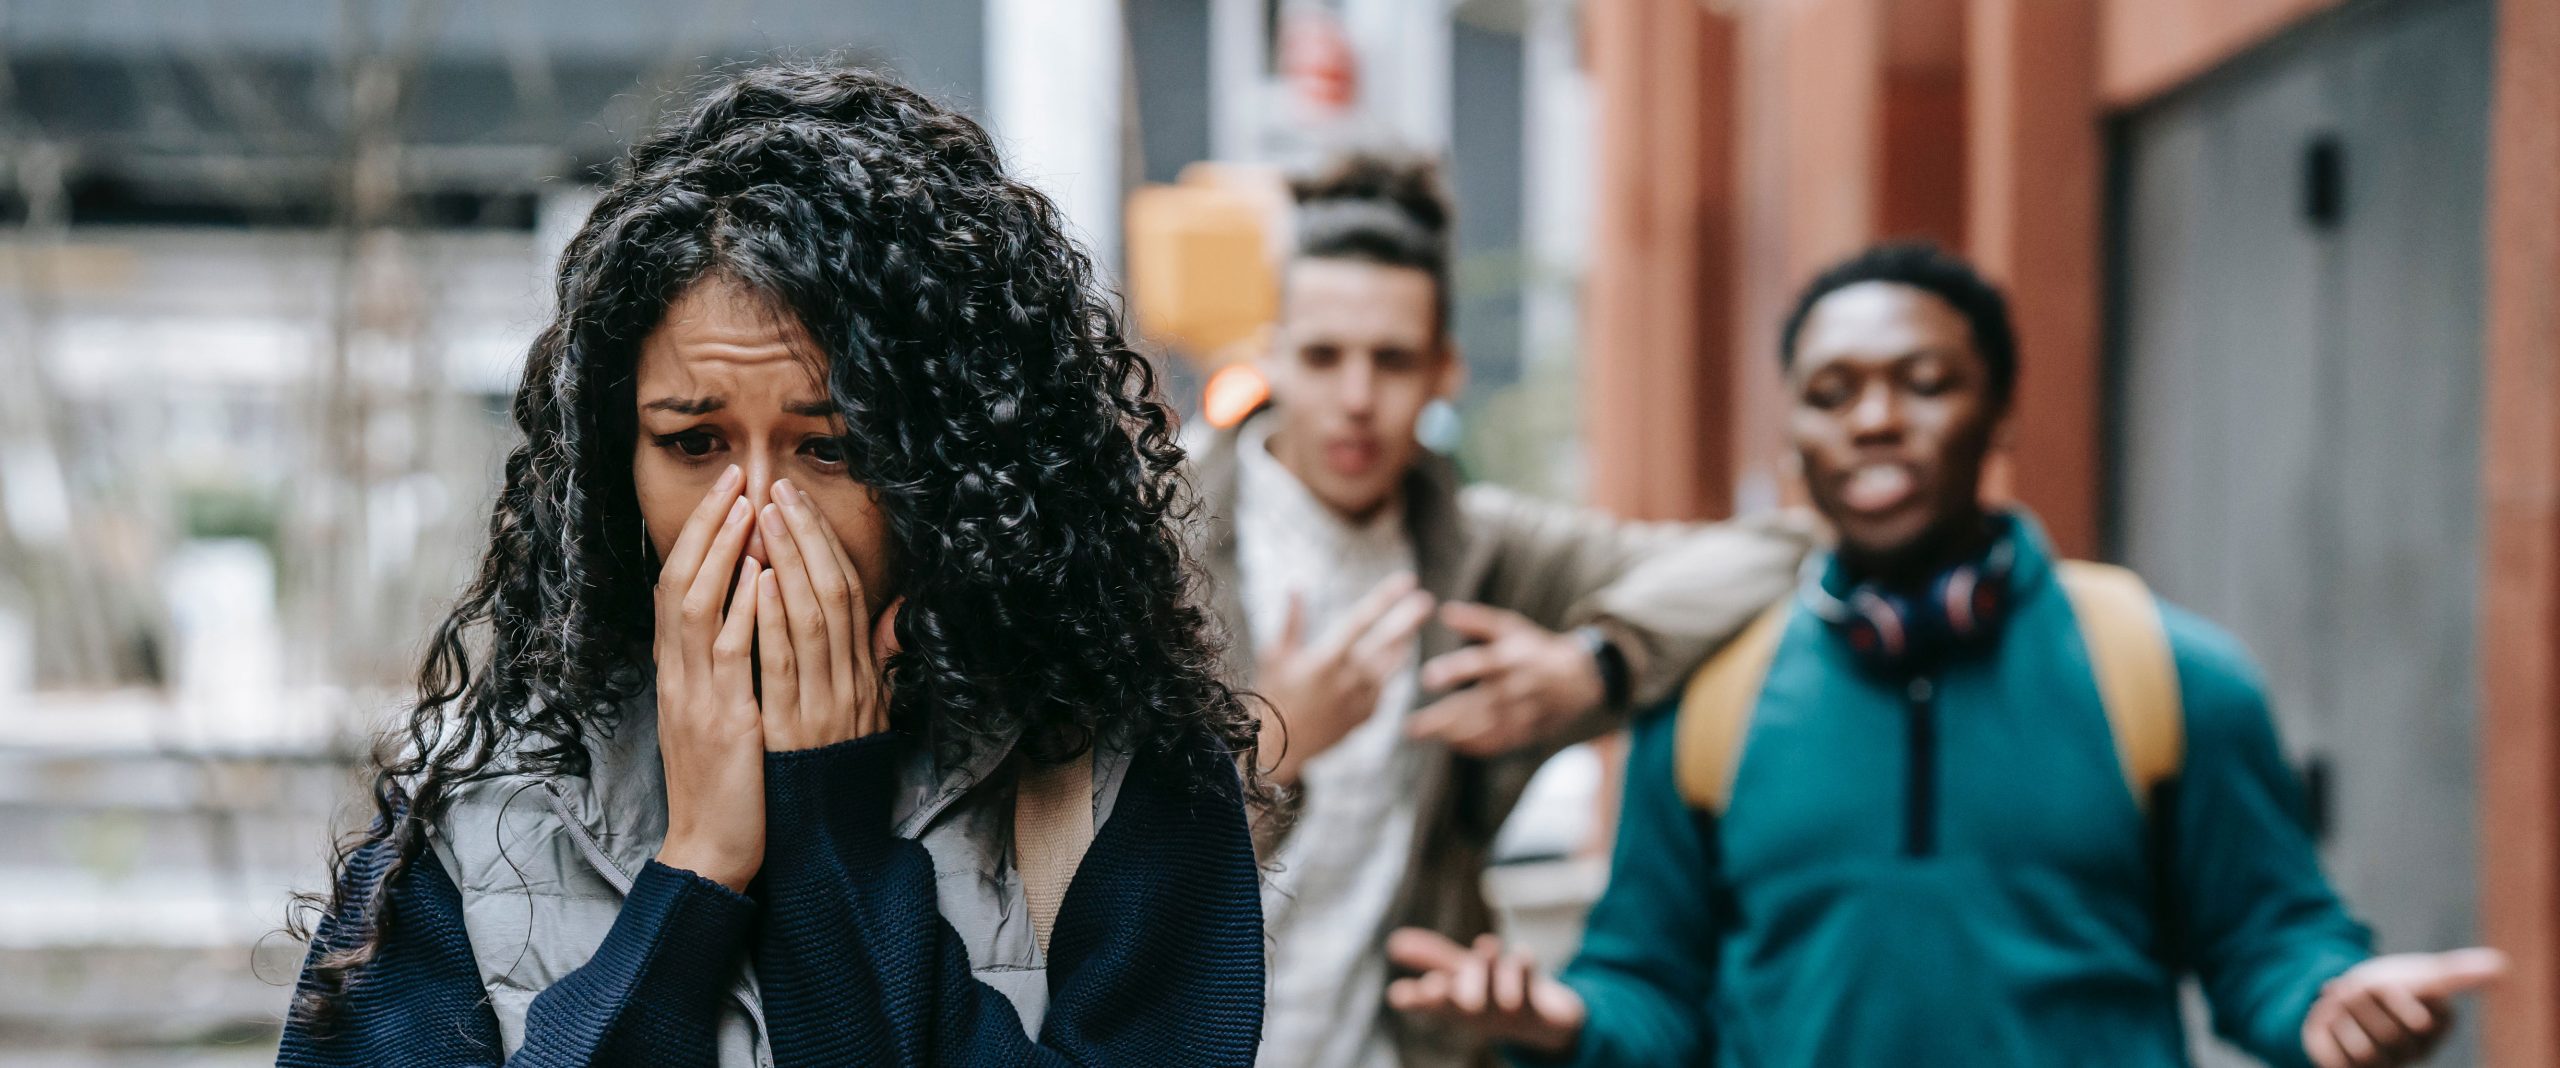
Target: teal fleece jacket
(1980, 889)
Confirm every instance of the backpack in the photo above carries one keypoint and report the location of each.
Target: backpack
(2120, 626)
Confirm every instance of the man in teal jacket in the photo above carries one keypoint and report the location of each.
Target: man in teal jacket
(1921, 818)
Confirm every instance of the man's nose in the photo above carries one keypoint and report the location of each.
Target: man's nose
(1876, 412)
(1359, 385)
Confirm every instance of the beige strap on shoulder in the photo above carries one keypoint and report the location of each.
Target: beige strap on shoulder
(1052, 826)
(1715, 712)
(2136, 673)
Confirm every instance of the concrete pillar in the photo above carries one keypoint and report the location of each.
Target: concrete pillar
(2520, 557)
(1657, 389)
(1054, 93)
(1404, 49)
(2033, 224)
(1239, 79)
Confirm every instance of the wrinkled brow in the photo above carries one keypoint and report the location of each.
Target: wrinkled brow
(817, 409)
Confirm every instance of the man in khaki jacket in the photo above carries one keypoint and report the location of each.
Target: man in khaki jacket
(1422, 648)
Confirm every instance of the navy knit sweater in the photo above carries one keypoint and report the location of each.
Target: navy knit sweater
(1156, 956)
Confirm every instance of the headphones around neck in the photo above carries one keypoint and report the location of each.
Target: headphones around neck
(1893, 633)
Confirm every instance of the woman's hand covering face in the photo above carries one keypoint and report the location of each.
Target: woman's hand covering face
(765, 539)
(710, 730)
(818, 654)
(754, 659)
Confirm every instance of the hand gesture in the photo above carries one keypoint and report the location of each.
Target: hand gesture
(1502, 996)
(1319, 692)
(819, 654)
(710, 733)
(2394, 1010)
(1522, 683)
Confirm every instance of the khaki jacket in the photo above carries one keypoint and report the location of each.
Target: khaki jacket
(1670, 594)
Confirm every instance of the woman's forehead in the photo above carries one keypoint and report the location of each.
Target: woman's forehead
(718, 342)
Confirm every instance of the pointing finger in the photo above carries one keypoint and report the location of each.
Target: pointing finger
(1369, 609)
(1458, 667)
(1387, 640)
(1461, 714)
(2462, 970)
(1481, 622)
(1405, 995)
(1420, 949)
(1293, 629)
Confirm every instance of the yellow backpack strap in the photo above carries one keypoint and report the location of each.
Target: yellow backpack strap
(1715, 712)
(1052, 826)
(2137, 675)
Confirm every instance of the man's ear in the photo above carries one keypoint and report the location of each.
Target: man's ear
(1453, 371)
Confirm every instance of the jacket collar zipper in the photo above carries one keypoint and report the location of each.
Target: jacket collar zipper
(1920, 803)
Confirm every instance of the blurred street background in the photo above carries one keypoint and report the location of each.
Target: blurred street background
(2285, 271)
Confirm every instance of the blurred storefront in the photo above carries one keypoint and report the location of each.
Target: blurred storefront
(2284, 273)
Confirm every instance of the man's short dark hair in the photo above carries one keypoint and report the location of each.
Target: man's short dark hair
(1933, 270)
(1386, 208)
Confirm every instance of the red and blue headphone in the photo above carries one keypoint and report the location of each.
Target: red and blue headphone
(1893, 632)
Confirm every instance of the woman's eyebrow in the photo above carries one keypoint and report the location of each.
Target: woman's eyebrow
(815, 409)
(685, 405)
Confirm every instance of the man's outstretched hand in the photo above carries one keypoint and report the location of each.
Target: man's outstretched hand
(2394, 1010)
(1500, 995)
(1516, 685)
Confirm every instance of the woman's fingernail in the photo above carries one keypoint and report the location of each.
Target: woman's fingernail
(737, 510)
(789, 493)
(772, 518)
(730, 478)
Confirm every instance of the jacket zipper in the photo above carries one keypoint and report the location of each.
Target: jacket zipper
(604, 864)
(1920, 802)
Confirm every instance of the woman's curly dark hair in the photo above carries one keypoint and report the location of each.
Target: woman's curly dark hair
(1019, 449)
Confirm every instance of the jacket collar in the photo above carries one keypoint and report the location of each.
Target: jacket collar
(1826, 580)
(1431, 513)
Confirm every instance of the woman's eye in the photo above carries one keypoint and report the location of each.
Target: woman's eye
(693, 444)
(827, 451)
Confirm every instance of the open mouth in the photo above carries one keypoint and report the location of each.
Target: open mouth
(1351, 456)
(1877, 488)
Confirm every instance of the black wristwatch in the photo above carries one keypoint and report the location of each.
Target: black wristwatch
(1605, 655)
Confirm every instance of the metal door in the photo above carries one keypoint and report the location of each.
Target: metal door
(2295, 417)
